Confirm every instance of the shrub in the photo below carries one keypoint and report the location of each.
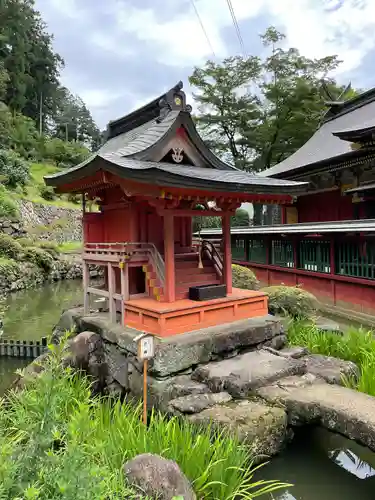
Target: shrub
(8, 207)
(356, 345)
(74, 198)
(291, 301)
(14, 169)
(10, 247)
(39, 257)
(26, 242)
(51, 247)
(243, 277)
(46, 192)
(65, 154)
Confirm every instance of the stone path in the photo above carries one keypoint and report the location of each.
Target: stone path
(336, 408)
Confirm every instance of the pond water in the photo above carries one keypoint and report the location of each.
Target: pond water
(323, 466)
(32, 314)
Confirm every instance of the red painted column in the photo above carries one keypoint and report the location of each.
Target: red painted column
(227, 252)
(170, 280)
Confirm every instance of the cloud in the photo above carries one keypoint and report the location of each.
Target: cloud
(121, 53)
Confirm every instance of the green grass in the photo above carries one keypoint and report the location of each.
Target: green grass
(32, 189)
(70, 247)
(56, 441)
(357, 345)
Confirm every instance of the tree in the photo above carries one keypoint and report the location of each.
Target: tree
(73, 121)
(256, 113)
(226, 105)
(292, 100)
(26, 53)
(3, 81)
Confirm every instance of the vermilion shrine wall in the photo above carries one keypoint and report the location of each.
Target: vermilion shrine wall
(134, 224)
(327, 206)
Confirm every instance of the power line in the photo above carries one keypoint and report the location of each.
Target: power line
(236, 26)
(202, 26)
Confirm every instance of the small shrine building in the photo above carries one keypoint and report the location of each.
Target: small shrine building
(152, 175)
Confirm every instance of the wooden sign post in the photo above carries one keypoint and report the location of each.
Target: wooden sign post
(145, 350)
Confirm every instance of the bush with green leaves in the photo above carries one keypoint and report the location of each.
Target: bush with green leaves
(58, 442)
(243, 277)
(291, 301)
(47, 192)
(8, 207)
(65, 153)
(10, 247)
(14, 170)
(40, 258)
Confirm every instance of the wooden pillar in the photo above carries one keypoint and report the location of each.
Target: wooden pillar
(227, 272)
(86, 284)
(111, 291)
(170, 280)
(124, 276)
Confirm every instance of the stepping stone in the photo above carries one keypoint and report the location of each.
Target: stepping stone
(242, 374)
(339, 409)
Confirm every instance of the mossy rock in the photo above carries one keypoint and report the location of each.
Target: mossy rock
(243, 277)
(292, 301)
(40, 258)
(9, 247)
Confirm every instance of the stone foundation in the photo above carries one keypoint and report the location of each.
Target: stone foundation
(237, 376)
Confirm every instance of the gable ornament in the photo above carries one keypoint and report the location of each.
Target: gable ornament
(177, 155)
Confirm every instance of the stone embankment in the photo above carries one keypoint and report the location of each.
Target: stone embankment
(46, 222)
(237, 376)
(19, 277)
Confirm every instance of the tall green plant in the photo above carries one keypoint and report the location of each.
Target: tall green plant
(356, 345)
(58, 442)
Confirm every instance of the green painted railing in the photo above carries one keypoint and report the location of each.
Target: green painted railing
(356, 259)
(257, 251)
(314, 255)
(282, 253)
(238, 249)
(352, 258)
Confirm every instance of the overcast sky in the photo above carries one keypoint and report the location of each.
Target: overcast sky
(119, 54)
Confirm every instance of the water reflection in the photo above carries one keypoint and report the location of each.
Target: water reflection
(33, 313)
(307, 465)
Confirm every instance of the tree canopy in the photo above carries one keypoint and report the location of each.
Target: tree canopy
(30, 86)
(256, 112)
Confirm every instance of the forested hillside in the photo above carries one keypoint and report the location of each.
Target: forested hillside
(43, 126)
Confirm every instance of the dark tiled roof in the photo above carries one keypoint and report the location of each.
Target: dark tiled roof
(131, 152)
(323, 146)
(172, 175)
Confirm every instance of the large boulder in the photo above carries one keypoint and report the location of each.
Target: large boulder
(255, 423)
(202, 346)
(161, 391)
(293, 301)
(332, 370)
(198, 402)
(157, 477)
(241, 375)
(31, 372)
(85, 352)
(339, 409)
(68, 322)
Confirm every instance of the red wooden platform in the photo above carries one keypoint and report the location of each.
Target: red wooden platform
(166, 319)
